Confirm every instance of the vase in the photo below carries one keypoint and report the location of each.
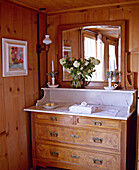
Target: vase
(78, 82)
(109, 81)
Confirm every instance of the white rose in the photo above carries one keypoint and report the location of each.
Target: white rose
(96, 62)
(76, 64)
(89, 71)
(71, 68)
(62, 61)
(86, 63)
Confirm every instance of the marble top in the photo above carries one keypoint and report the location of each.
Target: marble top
(87, 89)
(102, 111)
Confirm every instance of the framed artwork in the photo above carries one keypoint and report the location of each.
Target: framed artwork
(14, 57)
(67, 52)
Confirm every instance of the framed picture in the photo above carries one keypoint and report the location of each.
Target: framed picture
(14, 57)
(67, 52)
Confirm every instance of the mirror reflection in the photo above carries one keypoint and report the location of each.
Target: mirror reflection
(100, 41)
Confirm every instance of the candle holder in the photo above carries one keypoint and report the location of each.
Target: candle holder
(53, 80)
(53, 74)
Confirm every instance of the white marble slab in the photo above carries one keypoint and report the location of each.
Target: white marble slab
(125, 98)
(102, 111)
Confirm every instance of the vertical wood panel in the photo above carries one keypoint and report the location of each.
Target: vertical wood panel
(43, 61)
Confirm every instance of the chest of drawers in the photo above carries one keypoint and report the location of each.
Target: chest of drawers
(83, 143)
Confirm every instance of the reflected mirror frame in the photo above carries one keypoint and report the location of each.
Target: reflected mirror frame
(98, 84)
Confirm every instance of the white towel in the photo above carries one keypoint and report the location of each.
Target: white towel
(82, 109)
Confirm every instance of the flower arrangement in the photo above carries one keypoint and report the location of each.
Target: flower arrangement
(111, 74)
(79, 70)
(53, 73)
(115, 73)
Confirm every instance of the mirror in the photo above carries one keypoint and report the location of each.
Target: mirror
(104, 41)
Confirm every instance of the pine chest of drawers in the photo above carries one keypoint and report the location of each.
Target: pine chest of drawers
(83, 143)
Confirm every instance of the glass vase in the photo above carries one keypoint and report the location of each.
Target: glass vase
(78, 82)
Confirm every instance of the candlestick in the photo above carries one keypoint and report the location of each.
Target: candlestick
(52, 66)
(53, 80)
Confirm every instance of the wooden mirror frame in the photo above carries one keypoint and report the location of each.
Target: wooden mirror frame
(92, 84)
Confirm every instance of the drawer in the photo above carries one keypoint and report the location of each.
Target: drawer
(91, 159)
(106, 139)
(96, 122)
(54, 119)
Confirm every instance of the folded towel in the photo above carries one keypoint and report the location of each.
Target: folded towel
(82, 109)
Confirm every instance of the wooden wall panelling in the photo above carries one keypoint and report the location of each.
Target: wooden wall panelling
(3, 146)
(43, 55)
(2, 103)
(52, 30)
(29, 80)
(14, 96)
(28, 36)
(16, 93)
(34, 54)
(20, 93)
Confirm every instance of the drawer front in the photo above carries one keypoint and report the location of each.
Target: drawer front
(105, 139)
(95, 122)
(54, 119)
(91, 159)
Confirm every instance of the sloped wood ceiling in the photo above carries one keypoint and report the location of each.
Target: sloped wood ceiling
(54, 6)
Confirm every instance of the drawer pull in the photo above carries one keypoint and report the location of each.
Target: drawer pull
(54, 134)
(97, 123)
(55, 154)
(97, 140)
(98, 161)
(53, 118)
(74, 156)
(74, 136)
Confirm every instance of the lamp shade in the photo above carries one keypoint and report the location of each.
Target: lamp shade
(47, 40)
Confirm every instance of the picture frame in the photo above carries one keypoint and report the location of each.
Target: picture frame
(14, 57)
(67, 52)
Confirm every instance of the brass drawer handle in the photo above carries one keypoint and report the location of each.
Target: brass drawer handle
(55, 154)
(97, 140)
(74, 136)
(53, 134)
(75, 156)
(53, 118)
(97, 123)
(98, 161)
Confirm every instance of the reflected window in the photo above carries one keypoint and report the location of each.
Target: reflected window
(112, 58)
(94, 47)
(89, 47)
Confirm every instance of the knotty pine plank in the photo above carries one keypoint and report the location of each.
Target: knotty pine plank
(28, 32)
(43, 55)
(2, 103)
(52, 30)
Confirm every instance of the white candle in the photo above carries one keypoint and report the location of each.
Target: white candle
(52, 66)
